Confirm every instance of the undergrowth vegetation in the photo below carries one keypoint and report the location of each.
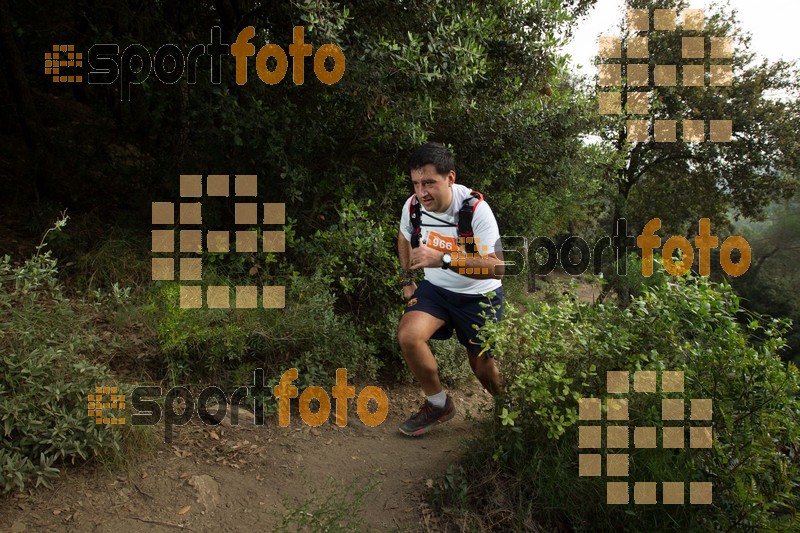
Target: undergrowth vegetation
(200, 344)
(56, 345)
(523, 472)
(49, 351)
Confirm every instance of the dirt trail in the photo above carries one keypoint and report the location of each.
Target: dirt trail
(243, 478)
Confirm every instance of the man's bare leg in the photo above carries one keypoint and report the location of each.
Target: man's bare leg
(415, 328)
(486, 371)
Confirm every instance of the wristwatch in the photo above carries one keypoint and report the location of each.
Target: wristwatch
(446, 260)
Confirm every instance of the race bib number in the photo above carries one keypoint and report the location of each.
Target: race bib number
(442, 243)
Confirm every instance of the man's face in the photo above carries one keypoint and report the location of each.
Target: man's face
(433, 190)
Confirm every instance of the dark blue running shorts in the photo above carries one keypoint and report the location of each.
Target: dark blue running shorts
(459, 312)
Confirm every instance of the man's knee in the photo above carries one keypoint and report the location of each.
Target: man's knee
(409, 339)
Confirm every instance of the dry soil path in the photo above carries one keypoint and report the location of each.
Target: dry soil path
(244, 478)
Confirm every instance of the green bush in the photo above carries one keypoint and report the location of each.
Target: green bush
(452, 359)
(217, 343)
(45, 377)
(356, 256)
(631, 282)
(556, 354)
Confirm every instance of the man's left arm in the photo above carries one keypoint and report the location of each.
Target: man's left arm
(479, 265)
(487, 261)
(476, 266)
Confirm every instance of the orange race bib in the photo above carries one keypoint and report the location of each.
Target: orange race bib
(442, 243)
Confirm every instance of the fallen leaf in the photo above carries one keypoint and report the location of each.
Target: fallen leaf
(429, 483)
(213, 435)
(184, 510)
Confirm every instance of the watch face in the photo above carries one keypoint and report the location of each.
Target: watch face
(446, 260)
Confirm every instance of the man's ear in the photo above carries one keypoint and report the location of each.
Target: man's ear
(451, 177)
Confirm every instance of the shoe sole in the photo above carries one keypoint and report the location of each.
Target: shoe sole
(421, 431)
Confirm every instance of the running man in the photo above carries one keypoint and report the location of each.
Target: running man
(436, 219)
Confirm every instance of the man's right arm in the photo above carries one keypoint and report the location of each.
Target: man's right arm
(403, 251)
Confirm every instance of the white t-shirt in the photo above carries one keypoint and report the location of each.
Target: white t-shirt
(440, 228)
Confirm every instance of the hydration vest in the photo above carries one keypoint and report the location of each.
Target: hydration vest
(463, 218)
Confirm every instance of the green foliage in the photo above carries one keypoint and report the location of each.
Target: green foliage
(681, 182)
(339, 510)
(233, 266)
(45, 377)
(771, 285)
(558, 353)
(356, 256)
(307, 335)
(96, 256)
(466, 73)
(452, 488)
(627, 279)
(453, 361)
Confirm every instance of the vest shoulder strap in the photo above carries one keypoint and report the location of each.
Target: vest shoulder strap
(464, 216)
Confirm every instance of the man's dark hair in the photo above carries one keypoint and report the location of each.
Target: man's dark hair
(435, 154)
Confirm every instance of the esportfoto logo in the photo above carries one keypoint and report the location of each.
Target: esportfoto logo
(135, 64)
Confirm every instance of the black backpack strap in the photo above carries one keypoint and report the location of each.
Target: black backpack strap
(465, 232)
(415, 215)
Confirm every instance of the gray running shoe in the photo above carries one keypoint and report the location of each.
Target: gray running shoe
(427, 417)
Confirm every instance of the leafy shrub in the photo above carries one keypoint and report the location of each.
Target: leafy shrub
(559, 353)
(307, 335)
(452, 359)
(45, 377)
(356, 257)
(629, 281)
